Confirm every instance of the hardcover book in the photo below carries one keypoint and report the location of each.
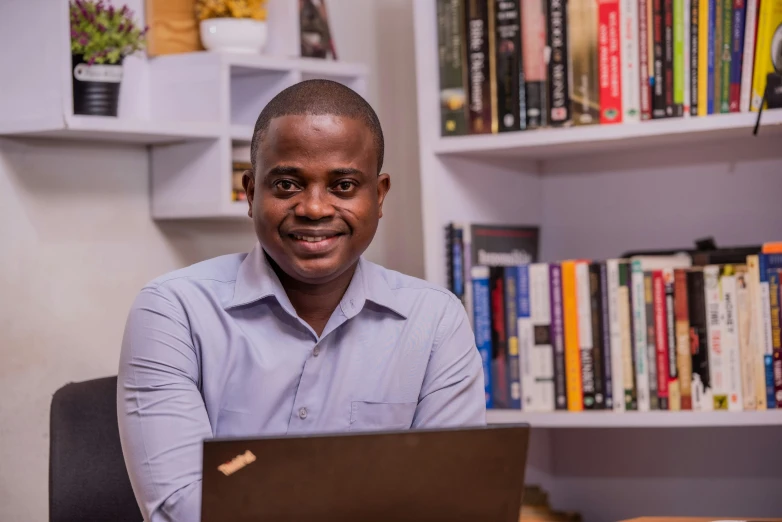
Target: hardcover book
(450, 47)
(479, 102)
(507, 74)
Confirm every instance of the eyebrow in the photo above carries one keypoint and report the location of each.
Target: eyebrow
(281, 170)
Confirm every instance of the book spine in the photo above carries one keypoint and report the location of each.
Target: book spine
(756, 341)
(658, 395)
(745, 330)
(714, 326)
(609, 57)
(678, 57)
(699, 342)
(605, 326)
(533, 47)
(763, 64)
(695, 67)
(450, 47)
(467, 263)
(730, 339)
(506, 56)
(682, 326)
(499, 339)
(674, 390)
(768, 344)
(628, 60)
(776, 329)
(614, 309)
(718, 51)
(687, 58)
(584, 312)
(712, 70)
(542, 356)
(639, 329)
(737, 50)
(449, 256)
(748, 56)
(703, 57)
(511, 324)
(479, 100)
(584, 81)
(645, 79)
(670, 109)
(458, 261)
(524, 333)
(558, 336)
(727, 45)
(482, 325)
(625, 304)
(575, 397)
(658, 29)
(559, 104)
(661, 338)
(596, 318)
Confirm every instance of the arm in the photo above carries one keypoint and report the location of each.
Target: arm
(162, 417)
(452, 393)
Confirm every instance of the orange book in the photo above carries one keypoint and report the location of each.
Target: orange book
(772, 248)
(575, 399)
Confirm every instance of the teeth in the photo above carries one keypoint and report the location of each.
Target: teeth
(310, 239)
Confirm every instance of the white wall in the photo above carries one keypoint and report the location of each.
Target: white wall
(77, 243)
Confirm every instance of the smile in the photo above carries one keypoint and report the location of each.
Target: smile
(310, 239)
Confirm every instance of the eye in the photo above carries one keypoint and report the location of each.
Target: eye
(345, 186)
(285, 185)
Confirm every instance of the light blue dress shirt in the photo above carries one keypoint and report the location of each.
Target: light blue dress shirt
(217, 350)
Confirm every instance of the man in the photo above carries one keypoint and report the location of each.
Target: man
(301, 335)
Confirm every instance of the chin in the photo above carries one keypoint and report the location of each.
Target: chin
(317, 270)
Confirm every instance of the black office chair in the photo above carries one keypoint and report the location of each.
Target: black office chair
(88, 481)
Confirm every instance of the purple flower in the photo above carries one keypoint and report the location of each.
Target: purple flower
(125, 10)
(101, 28)
(83, 40)
(74, 34)
(111, 11)
(121, 28)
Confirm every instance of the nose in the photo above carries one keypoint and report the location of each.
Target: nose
(313, 203)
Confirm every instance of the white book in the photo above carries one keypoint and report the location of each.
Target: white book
(714, 335)
(639, 336)
(628, 57)
(615, 331)
(747, 70)
(745, 335)
(731, 359)
(687, 66)
(756, 339)
(538, 382)
(584, 310)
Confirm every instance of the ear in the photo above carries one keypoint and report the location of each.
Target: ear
(383, 186)
(248, 182)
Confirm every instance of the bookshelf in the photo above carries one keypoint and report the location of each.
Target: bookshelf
(191, 110)
(597, 192)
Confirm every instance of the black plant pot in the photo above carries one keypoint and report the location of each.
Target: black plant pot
(95, 87)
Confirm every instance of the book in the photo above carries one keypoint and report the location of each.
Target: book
(686, 29)
(680, 79)
(316, 38)
(558, 337)
(766, 330)
(658, 29)
(712, 62)
(695, 53)
(766, 60)
(682, 319)
(730, 338)
(615, 330)
(454, 236)
(674, 391)
(503, 245)
(748, 55)
(533, 47)
(510, 275)
(714, 327)
(625, 309)
(702, 399)
(758, 336)
(605, 328)
(639, 337)
(598, 347)
(575, 397)
(727, 45)
(507, 73)
(482, 325)
(661, 338)
(703, 56)
(536, 356)
(745, 336)
(629, 60)
(668, 49)
(499, 339)
(450, 53)
(645, 79)
(737, 50)
(479, 100)
(584, 80)
(558, 80)
(610, 68)
(586, 354)
(658, 390)
(773, 263)
(718, 37)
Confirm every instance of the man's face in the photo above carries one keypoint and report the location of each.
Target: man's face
(315, 197)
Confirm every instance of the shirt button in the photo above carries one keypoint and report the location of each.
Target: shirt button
(302, 413)
(316, 351)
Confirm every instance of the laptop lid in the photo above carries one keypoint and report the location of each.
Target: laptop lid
(453, 475)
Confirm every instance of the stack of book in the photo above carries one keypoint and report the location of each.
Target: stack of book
(640, 333)
(508, 65)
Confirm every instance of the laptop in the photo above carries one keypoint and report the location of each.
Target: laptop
(453, 475)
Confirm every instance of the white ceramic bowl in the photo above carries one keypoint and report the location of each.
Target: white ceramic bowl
(234, 35)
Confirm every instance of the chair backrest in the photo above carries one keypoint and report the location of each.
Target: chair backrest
(88, 481)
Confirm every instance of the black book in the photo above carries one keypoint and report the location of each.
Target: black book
(557, 336)
(670, 107)
(503, 245)
(631, 396)
(658, 93)
(596, 306)
(479, 100)
(509, 112)
(558, 81)
(699, 348)
(499, 339)
(605, 323)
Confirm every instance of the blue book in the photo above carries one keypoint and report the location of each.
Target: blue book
(711, 57)
(511, 328)
(737, 53)
(482, 324)
(523, 314)
(773, 363)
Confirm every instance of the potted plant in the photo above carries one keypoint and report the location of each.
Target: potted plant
(101, 37)
(233, 26)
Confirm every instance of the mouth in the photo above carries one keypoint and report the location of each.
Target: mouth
(315, 242)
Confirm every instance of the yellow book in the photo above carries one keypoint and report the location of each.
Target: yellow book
(703, 58)
(769, 34)
(575, 396)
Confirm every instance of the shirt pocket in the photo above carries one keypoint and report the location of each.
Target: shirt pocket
(381, 416)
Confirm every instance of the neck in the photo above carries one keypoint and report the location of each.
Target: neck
(315, 303)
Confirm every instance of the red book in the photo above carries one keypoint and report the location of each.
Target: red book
(661, 337)
(737, 48)
(643, 52)
(609, 62)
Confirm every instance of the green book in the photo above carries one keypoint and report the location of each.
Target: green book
(450, 47)
(725, 53)
(678, 57)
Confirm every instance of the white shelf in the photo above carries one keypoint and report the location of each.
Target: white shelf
(591, 139)
(634, 419)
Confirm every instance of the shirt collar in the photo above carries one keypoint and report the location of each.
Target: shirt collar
(256, 280)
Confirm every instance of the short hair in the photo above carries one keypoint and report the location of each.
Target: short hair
(319, 97)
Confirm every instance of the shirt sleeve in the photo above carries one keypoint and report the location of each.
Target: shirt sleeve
(452, 393)
(162, 416)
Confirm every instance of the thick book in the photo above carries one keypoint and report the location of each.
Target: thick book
(624, 304)
(730, 338)
(674, 390)
(503, 245)
(482, 325)
(680, 79)
(605, 329)
(670, 105)
(536, 357)
(511, 275)
(450, 53)
(748, 54)
(533, 47)
(479, 101)
(558, 49)
(499, 339)
(736, 54)
(758, 338)
(661, 337)
(658, 36)
(746, 336)
(584, 80)
(586, 352)
(610, 68)
(658, 394)
(629, 60)
(727, 54)
(598, 346)
(695, 65)
(699, 341)
(507, 74)
(573, 383)
(615, 330)
(714, 328)
(558, 336)
(646, 80)
(682, 318)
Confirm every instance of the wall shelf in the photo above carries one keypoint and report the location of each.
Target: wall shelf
(633, 419)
